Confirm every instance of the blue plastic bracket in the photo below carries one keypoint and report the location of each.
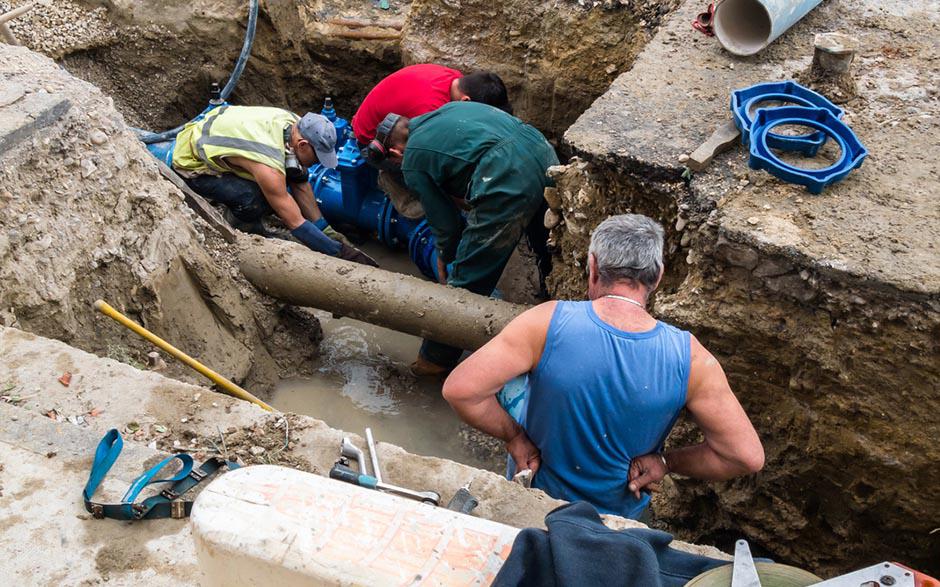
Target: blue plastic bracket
(824, 121)
(744, 100)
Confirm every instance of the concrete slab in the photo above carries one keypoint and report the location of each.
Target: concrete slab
(46, 536)
(880, 222)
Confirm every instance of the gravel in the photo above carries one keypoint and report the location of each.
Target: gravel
(60, 27)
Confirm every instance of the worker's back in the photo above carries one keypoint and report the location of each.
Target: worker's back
(449, 143)
(599, 397)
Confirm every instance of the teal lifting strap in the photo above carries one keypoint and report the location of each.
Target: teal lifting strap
(165, 504)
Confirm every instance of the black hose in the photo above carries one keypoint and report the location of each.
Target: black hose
(168, 135)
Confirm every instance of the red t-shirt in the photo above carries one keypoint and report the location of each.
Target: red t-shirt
(410, 91)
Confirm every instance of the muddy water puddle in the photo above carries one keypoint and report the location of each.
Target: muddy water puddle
(362, 379)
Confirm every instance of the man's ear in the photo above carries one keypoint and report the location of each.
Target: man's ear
(465, 98)
(592, 269)
(397, 151)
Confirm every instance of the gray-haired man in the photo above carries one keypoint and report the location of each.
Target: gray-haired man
(606, 382)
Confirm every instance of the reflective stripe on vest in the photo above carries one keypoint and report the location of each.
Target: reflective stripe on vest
(232, 142)
(252, 132)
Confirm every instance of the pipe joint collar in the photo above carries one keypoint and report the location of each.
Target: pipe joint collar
(824, 121)
(744, 101)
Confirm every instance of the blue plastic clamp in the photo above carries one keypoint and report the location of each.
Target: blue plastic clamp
(824, 121)
(744, 100)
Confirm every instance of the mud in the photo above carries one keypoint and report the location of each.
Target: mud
(822, 309)
(362, 380)
(87, 216)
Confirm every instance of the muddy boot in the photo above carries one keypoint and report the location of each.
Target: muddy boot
(348, 253)
(425, 368)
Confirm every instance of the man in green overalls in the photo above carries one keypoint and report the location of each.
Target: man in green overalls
(472, 157)
(246, 157)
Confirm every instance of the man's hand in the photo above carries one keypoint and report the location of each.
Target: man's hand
(646, 472)
(525, 454)
(441, 270)
(348, 253)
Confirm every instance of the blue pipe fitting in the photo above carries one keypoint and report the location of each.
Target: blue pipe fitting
(341, 124)
(744, 100)
(349, 195)
(163, 151)
(824, 121)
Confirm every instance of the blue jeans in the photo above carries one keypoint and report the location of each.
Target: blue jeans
(242, 196)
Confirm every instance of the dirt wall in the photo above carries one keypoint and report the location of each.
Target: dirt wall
(158, 58)
(555, 56)
(824, 309)
(87, 215)
(838, 376)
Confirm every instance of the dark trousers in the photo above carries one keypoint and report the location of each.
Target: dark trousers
(242, 196)
(488, 260)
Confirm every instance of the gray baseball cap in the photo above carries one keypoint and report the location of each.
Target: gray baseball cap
(321, 134)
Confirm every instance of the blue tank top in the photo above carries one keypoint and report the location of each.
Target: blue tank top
(598, 397)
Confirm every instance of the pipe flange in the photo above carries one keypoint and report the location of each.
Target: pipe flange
(824, 121)
(744, 100)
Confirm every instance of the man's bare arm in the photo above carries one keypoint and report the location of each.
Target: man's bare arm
(273, 185)
(731, 447)
(303, 194)
(472, 387)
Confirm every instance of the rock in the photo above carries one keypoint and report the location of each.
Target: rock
(792, 285)
(88, 167)
(736, 254)
(98, 137)
(257, 450)
(552, 219)
(770, 267)
(753, 220)
(552, 198)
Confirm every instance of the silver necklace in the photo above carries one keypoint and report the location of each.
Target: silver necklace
(625, 299)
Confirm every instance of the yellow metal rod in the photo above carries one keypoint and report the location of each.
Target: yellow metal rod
(225, 384)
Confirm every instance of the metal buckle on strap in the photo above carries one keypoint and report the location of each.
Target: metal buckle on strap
(97, 511)
(197, 474)
(169, 494)
(177, 509)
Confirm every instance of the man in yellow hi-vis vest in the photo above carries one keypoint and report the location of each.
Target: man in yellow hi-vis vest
(245, 157)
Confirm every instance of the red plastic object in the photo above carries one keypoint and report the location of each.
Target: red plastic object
(920, 579)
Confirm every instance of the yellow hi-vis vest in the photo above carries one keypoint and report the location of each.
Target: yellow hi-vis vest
(253, 132)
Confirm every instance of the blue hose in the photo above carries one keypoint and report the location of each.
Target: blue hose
(149, 137)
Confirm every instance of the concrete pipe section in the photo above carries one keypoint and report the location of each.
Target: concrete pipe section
(292, 273)
(744, 27)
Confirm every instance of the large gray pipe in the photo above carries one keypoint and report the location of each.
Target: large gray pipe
(744, 27)
(296, 275)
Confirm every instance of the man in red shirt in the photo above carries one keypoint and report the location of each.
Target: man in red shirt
(413, 91)
(419, 89)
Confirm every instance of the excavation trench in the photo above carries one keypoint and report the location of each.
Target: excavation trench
(156, 60)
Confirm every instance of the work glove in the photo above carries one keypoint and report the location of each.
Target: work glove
(353, 254)
(313, 237)
(335, 235)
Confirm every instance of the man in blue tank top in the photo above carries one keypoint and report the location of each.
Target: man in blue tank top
(606, 382)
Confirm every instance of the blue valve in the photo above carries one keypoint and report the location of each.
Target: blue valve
(744, 100)
(825, 122)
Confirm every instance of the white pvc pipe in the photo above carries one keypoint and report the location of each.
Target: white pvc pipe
(744, 27)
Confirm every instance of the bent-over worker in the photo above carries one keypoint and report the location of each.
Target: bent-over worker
(473, 157)
(413, 91)
(245, 157)
(606, 383)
